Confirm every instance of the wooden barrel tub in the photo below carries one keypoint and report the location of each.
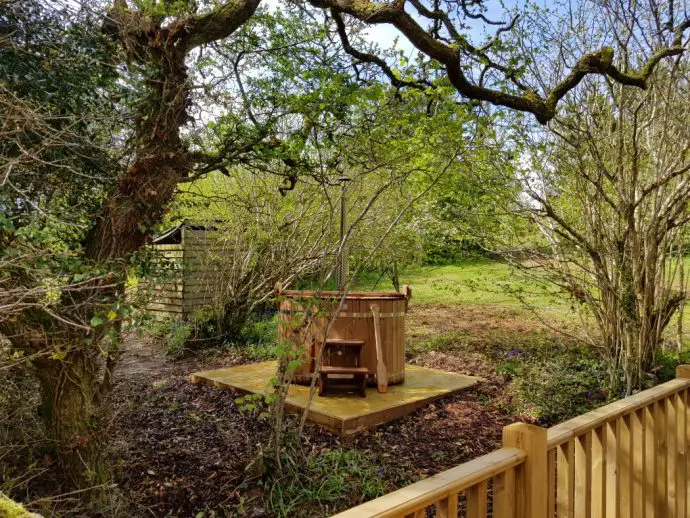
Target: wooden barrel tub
(354, 321)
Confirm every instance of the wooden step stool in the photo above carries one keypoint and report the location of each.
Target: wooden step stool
(343, 356)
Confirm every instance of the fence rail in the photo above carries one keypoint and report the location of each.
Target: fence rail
(626, 459)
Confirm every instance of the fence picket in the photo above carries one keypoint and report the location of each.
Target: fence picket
(650, 476)
(504, 494)
(671, 449)
(660, 436)
(611, 470)
(582, 503)
(551, 481)
(624, 466)
(565, 477)
(476, 501)
(598, 472)
(681, 425)
(637, 473)
(448, 507)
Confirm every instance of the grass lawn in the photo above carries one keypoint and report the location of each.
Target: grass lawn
(480, 283)
(483, 283)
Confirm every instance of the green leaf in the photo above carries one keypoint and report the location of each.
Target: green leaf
(96, 321)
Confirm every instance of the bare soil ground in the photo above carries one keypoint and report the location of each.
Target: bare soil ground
(482, 324)
(182, 448)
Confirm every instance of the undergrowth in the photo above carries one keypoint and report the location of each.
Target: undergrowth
(555, 385)
(321, 483)
(550, 379)
(23, 445)
(667, 360)
(257, 341)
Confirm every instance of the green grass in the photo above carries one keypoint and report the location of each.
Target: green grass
(318, 483)
(478, 282)
(483, 282)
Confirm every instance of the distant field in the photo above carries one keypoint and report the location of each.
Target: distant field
(482, 282)
(474, 282)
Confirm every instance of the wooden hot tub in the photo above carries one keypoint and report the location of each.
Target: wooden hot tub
(354, 321)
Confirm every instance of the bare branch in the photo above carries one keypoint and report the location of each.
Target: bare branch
(371, 58)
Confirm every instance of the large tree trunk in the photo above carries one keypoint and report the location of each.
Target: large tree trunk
(72, 416)
(144, 191)
(71, 383)
(72, 369)
(70, 375)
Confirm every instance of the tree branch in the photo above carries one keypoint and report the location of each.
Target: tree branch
(544, 109)
(371, 58)
(220, 23)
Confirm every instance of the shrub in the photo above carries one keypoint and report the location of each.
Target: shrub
(23, 446)
(172, 333)
(261, 329)
(666, 362)
(11, 509)
(556, 383)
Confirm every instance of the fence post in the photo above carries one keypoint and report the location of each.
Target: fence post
(532, 482)
(683, 371)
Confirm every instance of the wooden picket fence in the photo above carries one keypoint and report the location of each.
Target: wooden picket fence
(626, 459)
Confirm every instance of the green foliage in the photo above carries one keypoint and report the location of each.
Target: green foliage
(666, 361)
(58, 162)
(167, 8)
(553, 384)
(256, 404)
(322, 482)
(173, 333)
(259, 338)
(549, 380)
(56, 76)
(260, 329)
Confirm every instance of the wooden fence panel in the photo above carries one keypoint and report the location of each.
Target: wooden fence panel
(628, 459)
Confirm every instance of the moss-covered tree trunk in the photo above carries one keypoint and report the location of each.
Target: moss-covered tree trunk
(72, 415)
(71, 380)
(70, 364)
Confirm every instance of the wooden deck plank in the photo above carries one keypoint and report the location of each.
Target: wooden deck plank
(345, 414)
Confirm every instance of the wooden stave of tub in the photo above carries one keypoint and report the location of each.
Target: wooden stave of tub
(354, 321)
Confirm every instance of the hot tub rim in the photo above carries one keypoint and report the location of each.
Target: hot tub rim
(404, 294)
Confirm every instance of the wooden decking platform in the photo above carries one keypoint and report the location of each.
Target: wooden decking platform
(345, 413)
